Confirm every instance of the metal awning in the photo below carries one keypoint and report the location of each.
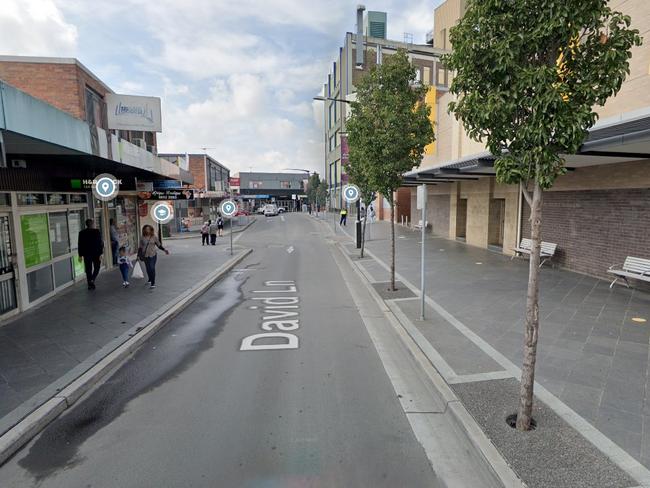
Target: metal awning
(624, 139)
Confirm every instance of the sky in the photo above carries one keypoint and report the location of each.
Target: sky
(235, 77)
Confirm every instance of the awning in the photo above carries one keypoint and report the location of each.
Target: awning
(622, 139)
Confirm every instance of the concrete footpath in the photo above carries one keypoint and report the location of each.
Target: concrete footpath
(45, 349)
(592, 374)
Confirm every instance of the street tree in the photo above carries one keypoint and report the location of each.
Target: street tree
(314, 190)
(528, 74)
(388, 129)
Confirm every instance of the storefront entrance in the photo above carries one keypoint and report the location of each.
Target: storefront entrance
(8, 302)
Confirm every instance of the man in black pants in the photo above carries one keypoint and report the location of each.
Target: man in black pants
(90, 248)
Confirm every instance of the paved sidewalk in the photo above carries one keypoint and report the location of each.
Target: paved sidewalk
(40, 349)
(591, 355)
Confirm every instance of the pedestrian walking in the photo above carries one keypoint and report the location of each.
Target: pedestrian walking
(220, 225)
(90, 248)
(344, 216)
(125, 266)
(371, 214)
(148, 252)
(115, 241)
(213, 232)
(205, 233)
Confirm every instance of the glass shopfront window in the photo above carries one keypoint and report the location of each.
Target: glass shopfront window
(31, 199)
(39, 283)
(59, 236)
(124, 214)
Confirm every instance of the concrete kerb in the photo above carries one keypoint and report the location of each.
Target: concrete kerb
(32, 424)
(475, 435)
(621, 458)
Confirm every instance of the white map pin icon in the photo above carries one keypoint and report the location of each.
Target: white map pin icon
(105, 186)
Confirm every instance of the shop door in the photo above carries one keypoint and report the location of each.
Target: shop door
(496, 223)
(7, 279)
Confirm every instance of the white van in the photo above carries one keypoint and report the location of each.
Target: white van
(270, 210)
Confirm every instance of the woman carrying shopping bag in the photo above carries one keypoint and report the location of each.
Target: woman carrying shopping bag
(148, 252)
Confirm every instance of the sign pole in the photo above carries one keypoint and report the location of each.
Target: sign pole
(231, 237)
(424, 226)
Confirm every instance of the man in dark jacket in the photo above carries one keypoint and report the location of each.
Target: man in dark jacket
(90, 248)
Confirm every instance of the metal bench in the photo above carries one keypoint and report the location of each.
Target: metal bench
(546, 252)
(419, 225)
(637, 268)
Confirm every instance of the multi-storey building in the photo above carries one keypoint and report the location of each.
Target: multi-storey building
(55, 138)
(598, 213)
(339, 88)
(285, 189)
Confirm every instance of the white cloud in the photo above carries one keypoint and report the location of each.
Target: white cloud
(35, 28)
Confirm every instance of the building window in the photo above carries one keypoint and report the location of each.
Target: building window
(31, 199)
(427, 75)
(285, 185)
(332, 142)
(255, 185)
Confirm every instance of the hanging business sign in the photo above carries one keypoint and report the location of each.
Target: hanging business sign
(128, 112)
(166, 184)
(167, 195)
(345, 150)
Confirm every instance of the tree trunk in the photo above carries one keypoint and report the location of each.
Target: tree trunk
(525, 410)
(392, 245)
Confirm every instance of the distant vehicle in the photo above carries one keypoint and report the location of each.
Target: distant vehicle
(282, 209)
(270, 210)
(242, 212)
(260, 209)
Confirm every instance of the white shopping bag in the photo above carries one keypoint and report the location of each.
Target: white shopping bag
(137, 271)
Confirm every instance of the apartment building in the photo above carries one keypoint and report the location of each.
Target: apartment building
(598, 213)
(349, 67)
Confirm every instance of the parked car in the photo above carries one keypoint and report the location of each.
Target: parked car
(270, 210)
(282, 209)
(260, 210)
(242, 212)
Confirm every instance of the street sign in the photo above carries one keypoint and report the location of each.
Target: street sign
(351, 193)
(228, 208)
(422, 192)
(162, 212)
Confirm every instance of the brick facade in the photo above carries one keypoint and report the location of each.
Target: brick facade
(59, 84)
(595, 229)
(197, 168)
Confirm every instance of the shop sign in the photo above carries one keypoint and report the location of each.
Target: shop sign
(166, 195)
(143, 209)
(235, 181)
(166, 184)
(36, 239)
(345, 151)
(144, 186)
(128, 112)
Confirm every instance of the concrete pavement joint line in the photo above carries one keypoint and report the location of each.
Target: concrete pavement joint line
(488, 456)
(12, 440)
(443, 367)
(624, 460)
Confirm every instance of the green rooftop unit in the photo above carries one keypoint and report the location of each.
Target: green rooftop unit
(376, 24)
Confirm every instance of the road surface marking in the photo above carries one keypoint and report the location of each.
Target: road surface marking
(282, 218)
(278, 312)
(290, 249)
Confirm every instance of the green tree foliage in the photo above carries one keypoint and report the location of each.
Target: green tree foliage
(388, 129)
(528, 74)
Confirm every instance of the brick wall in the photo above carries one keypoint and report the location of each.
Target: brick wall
(595, 229)
(197, 168)
(59, 84)
(56, 84)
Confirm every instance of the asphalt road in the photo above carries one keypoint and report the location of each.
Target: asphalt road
(191, 409)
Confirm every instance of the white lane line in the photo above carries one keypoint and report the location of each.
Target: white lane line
(282, 218)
